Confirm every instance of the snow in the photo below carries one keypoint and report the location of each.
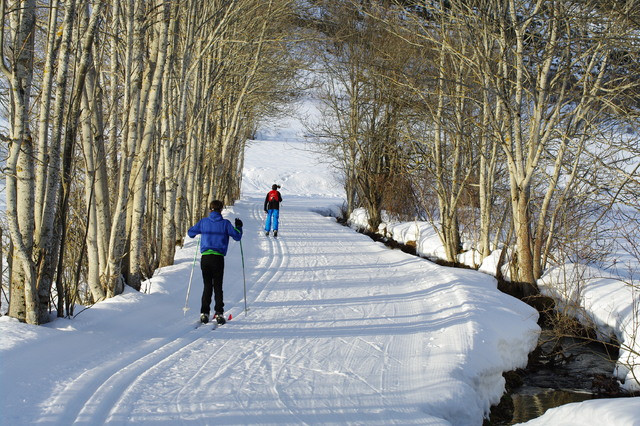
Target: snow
(340, 330)
(619, 411)
(421, 233)
(295, 166)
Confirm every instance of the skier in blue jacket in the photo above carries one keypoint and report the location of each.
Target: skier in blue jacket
(215, 232)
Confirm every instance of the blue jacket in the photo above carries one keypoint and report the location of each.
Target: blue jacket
(215, 232)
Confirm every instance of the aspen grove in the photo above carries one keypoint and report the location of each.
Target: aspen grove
(123, 118)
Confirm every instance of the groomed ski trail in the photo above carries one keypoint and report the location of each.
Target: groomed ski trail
(314, 337)
(341, 330)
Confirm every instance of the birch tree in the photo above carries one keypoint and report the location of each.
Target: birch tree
(551, 79)
(364, 107)
(513, 95)
(140, 169)
(19, 170)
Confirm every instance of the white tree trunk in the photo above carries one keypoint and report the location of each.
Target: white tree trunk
(140, 171)
(19, 168)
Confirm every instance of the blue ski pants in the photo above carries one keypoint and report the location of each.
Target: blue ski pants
(272, 220)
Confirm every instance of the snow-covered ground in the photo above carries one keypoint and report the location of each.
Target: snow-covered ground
(340, 330)
(607, 301)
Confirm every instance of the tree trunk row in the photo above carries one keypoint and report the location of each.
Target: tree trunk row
(127, 115)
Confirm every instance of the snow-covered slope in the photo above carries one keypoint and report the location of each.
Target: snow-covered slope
(297, 166)
(340, 330)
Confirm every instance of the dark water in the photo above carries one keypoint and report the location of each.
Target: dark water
(531, 402)
(560, 371)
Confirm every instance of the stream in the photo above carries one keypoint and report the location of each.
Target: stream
(560, 371)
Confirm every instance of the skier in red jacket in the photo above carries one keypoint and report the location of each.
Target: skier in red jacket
(272, 208)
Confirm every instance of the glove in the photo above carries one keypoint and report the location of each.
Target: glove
(238, 223)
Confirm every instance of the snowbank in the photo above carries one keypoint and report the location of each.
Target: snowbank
(618, 412)
(421, 234)
(609, 303)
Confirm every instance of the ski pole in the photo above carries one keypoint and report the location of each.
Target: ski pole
(244, 280)
(195, 256)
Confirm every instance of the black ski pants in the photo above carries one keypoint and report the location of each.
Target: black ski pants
(212, 266)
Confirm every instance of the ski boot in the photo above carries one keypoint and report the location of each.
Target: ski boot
(275, 233)
(220, 318)
(204, 318)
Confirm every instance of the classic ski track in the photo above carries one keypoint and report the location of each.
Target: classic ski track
(278, 251)
(161, 366)
(302, 354)
(274, 250)
(90, 396)
(276, 262)
(205, 366)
